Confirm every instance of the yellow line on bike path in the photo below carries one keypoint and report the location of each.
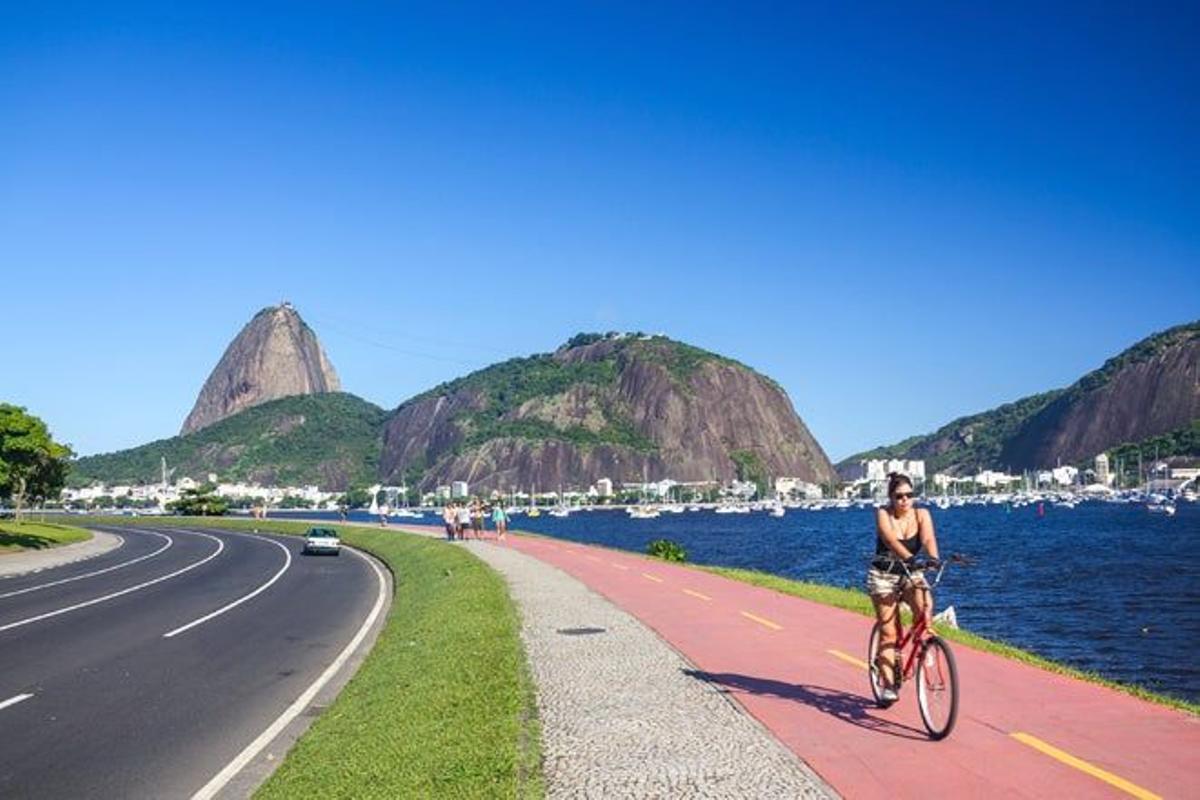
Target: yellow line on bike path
(693, 593)
(849, 659)
(772, 625)
(1083, 766)
(650, 577)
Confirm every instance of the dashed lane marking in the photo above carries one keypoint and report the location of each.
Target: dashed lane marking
(650, 577)
(12, 701)
(694, 593)
(762, 621)
(1084, 766)
(849, 659)
(619, 566)
(593, 558)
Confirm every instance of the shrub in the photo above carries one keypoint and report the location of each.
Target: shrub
(666, 550)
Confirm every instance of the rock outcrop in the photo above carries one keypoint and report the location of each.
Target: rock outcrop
(625, 408)
(1148, 390)
(276, 355)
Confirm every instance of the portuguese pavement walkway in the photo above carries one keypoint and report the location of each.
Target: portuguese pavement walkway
(798, 668)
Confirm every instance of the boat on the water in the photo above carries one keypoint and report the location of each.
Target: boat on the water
(1167, 508)
(643, 512)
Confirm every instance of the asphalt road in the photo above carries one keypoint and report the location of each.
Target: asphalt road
(96, 700)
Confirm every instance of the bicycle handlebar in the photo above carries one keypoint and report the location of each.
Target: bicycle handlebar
(919, 564)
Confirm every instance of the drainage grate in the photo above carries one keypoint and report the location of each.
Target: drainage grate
(580, 631)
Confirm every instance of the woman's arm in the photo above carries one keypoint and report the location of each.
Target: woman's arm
(928, 537)
(884, 530)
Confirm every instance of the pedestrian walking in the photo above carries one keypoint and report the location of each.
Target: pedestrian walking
(463, 521)
(450, 518)
(500, 520)
(477, 518)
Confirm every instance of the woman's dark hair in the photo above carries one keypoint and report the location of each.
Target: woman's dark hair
(895, 480)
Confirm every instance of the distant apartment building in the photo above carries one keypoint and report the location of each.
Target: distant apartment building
(1059, 476)
(1103, 476)
(604, 487)
(442, 493)
(991, 479)
(797, 488)
(459, 490)
(876, 470)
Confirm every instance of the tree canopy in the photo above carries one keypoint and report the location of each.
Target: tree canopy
(32, 465)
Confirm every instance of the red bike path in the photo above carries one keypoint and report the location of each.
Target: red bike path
(799, 668)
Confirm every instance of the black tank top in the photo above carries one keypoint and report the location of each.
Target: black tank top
(885, 558)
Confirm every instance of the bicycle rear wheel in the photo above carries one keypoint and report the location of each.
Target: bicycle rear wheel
(873, 674)
(937, 688)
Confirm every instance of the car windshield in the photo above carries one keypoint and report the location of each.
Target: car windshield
(322, 533)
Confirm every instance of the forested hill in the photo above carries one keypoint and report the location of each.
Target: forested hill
(1148, 392)
(624, 407)
(331, 440)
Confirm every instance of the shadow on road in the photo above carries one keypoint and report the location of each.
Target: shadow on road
(851, 708)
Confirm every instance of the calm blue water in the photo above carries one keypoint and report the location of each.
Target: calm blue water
(1102, 587)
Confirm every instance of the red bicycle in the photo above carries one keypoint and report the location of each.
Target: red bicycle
(920, 652)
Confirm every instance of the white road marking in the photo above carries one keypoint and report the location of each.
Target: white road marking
(287, 554)
(85, 604)
(210, 789)
(12, 701)
(170, 541)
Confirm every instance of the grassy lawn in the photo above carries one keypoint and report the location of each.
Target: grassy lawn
(15, 537)
(442, 707)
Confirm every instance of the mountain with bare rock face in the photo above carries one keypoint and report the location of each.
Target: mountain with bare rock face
(625, 407)
(1146, 397)
(276, 355)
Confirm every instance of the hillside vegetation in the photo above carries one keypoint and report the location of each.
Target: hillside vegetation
(625, 407)
(331, 440)
(1145, 395)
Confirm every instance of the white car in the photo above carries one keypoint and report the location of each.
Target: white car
(322, 540)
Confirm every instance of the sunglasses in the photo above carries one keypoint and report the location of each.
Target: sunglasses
(903, 495)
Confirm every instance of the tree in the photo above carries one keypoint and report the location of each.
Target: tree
(32, 465)
(356, 497)
(200, 502)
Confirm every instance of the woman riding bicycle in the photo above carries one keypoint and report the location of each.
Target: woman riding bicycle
(901, 532)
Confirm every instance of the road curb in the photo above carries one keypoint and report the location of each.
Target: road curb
(247, 781)
(28, 562)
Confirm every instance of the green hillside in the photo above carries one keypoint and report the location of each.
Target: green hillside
(509, 384)
(968, 444)
(331, 440)
(986, 440)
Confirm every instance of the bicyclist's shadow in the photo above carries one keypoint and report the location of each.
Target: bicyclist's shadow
(851, 708)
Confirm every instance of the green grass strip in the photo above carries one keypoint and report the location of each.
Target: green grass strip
(859, 603)
(444, 704)
(18, 536)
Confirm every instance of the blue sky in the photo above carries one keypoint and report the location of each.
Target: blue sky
(901, 216)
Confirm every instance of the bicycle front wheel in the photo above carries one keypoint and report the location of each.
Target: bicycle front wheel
(937, 688)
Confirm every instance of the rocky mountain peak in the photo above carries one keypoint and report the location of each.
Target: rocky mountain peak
(275, 355)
